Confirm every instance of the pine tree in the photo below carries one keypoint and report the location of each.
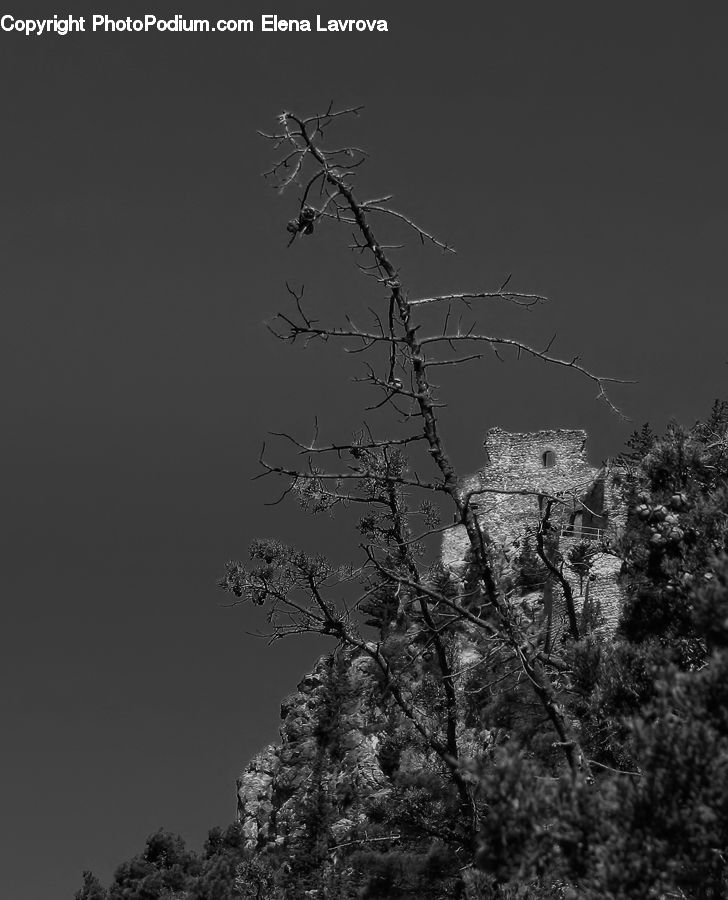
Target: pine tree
(91, 888)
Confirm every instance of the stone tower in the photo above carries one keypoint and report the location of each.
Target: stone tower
(589, 507)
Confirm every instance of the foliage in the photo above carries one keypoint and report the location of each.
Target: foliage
(216, 881)
(91, 889)
(167, 870)
(651, 706)
(531, 571)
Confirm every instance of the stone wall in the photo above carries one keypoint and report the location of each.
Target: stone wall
(551, 463)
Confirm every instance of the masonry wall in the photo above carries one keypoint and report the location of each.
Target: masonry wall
(516, 462)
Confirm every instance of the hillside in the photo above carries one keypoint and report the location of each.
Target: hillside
(358, 799)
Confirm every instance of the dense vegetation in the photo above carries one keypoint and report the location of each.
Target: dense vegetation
(651, 705)
(647, 818)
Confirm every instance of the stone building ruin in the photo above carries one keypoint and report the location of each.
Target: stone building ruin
(588, 507)
(286, 778)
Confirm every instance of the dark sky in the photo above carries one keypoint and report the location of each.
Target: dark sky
(581, 147)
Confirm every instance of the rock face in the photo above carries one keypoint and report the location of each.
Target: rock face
(309, 800)
(329, 741)
(255, 794)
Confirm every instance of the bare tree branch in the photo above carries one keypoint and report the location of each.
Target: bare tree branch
(327, 197)
(526, 300)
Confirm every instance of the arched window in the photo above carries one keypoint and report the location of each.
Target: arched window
(548, 458)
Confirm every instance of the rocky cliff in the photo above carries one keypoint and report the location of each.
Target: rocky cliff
(330, 735)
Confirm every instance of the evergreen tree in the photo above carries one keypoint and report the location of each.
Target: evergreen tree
(91, 888)
(654, 823)
(165, 868)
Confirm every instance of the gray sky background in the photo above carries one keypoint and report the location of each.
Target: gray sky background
(580, 146)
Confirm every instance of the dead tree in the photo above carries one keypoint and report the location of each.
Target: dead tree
(305, 594)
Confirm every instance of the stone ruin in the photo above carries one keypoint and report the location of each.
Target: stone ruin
(279, 783)
(589, 507)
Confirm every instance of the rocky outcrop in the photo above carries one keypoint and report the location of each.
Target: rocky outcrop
(343, 740)
(329, 740)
